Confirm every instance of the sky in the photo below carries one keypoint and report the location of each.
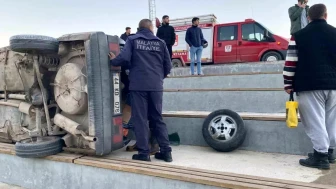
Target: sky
(58, 17)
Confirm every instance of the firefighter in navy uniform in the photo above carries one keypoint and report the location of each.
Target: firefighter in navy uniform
(149, 63)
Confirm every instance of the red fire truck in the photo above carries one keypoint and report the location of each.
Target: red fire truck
(247, 41)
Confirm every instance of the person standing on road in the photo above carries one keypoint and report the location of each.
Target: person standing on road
(194, 38)
(149, 62)
(298, 16)
(125, 35)
(167, 34)
(310, 71)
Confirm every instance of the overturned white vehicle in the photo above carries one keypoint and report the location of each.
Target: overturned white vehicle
(60, 93)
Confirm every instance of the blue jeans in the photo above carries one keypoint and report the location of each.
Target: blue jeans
(196, 51)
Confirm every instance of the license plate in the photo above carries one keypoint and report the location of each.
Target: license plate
(116, 93)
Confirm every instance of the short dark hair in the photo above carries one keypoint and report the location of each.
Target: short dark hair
(128, 28)
(165, 16)
(194, 19)
(145, 23)
(317, 11)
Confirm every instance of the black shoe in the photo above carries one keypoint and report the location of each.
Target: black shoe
(318, 160)
(141, 157)
(167, 156)
(331, 156)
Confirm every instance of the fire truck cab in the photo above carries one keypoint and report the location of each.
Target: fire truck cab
(247, 41)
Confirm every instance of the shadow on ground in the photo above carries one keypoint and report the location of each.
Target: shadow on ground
(328, 177)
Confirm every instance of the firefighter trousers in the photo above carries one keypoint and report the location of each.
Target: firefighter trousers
(147, 106)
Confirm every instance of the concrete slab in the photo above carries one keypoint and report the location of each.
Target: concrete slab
(225, 82)
(270, 165)
(239, 101)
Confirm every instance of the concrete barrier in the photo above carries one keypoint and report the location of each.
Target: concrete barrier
(239, 101)
(262, 136)
(224, 82)
(45, 174)
(250, 67)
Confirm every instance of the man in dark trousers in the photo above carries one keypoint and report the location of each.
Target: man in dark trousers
(149, 63)
(310, 71)
(125, 35)
(167, 33)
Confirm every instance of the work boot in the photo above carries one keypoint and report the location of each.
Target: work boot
(141, 157)
(317, 160)
(331, 156)
(166, 156)
(132, 148)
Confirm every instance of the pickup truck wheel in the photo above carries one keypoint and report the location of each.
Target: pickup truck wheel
(176, 63)
(224, 130)
(37, 147)
(34, 44)
(271, 57)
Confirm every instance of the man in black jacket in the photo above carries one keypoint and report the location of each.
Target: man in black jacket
(125, 35)
(167, 34)
(310, 71)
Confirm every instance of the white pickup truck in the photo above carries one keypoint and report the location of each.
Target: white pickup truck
(57, 93)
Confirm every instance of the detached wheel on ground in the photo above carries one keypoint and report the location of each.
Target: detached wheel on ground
(224, 130)
(271, 57)
(34, 44)
(176, 63)
(37, 147)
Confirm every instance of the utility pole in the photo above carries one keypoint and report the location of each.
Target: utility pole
(152, 13)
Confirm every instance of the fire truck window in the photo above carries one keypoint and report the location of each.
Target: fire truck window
(227, 33)
(253, 32)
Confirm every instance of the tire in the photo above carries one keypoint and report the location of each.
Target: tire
(99, 91)
(271, 57)
(34, 44)
(31, 148)
(176, 63)
(238, 134)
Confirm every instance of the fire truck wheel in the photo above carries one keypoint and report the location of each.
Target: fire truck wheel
(37, 147)
(224, 130)
(34, 44)
(271, 57)
(176, 63)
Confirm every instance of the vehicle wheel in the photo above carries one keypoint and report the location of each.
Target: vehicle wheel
(176, 63)
(224, 130)
(37, 147)
(34, 44)
(271, 57)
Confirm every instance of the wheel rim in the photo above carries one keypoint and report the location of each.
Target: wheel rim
(175, 65)
(222, 128)
(271, 58)
(35, 140)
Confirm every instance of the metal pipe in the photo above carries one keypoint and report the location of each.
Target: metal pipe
(71, 127)
(14, 96)
(38, 120)
(39, 80)
(9, 104)
(26, 108)
(88, 138)
(67, 124)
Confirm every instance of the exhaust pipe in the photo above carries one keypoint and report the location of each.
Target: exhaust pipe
(71, 127)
